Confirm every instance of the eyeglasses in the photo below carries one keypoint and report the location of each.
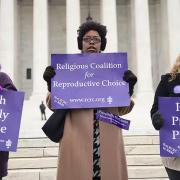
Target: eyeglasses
(95, 40)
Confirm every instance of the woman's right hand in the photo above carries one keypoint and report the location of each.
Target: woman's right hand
(130, 78)
(48, 74)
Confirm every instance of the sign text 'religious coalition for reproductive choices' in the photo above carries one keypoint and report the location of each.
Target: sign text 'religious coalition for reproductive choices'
(169, 107)
(89, 80)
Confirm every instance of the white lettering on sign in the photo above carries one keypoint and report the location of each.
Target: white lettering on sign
(2, 100)
(3, 129)
(177, 106)
(3, 115)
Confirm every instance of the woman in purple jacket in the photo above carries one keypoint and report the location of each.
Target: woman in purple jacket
(5, 83)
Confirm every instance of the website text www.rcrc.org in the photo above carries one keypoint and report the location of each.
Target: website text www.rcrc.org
(85, 100)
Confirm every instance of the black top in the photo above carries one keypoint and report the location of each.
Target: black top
(166, 88)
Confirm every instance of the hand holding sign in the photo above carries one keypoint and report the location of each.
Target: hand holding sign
(130, 78)
(49, 73)
(157, 120)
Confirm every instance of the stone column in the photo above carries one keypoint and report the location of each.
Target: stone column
(173, 20)
(140, 115)
(164, 40)
(109, 19)
(72, 24)
(9, 38)
(140, 13)
(40, 45)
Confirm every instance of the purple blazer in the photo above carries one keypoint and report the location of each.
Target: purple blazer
(5, 82)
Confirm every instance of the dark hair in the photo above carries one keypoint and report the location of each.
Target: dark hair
(92, 25)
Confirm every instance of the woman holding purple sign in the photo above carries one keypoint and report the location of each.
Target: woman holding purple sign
(5, 83)
(169, 86)
(91, 149)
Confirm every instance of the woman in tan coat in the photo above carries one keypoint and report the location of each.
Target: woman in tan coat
(91, 149)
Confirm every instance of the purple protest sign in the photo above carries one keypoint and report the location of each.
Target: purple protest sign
(11, 103)
(113, 119)
(169, 107)
(89, 80)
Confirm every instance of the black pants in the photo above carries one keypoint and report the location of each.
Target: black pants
(97, 178)
(173, 174)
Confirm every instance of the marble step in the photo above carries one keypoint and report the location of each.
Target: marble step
(53, 151)
(128, 140)
(51, 162)
(36, 158)
(139, 172)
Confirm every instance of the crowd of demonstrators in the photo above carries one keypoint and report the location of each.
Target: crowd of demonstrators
(91, 149)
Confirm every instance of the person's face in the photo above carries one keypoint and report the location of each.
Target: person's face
(91, 42)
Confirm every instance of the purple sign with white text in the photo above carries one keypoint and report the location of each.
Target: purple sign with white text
(113, 119)
(11, 103)
(169, 107)
(89, 80)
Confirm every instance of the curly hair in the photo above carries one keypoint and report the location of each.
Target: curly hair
(92, 25)
(176, 68)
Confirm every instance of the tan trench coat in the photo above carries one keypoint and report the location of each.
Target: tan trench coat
(76, 147)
